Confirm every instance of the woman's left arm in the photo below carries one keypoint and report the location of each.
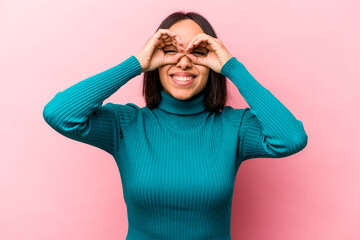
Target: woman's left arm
(268, 128)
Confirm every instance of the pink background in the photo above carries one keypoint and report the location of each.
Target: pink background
(305, 52)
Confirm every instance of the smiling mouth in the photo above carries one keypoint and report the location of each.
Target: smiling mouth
(183, 81)
(183, 78)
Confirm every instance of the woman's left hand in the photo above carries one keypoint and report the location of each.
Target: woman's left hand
(217, 55)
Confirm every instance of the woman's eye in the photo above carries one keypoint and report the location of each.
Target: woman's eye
(197, 52)
(194, 52)
(166, 51)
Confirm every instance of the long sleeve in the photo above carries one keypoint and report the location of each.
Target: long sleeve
(267, 129)
(77, 112)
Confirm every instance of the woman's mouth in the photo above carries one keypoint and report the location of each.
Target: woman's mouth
(182, 80)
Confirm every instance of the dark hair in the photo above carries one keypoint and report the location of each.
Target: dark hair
(215, 89)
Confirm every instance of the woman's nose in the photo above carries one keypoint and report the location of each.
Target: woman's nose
(184, 61)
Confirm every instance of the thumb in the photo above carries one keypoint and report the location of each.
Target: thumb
(194, 59)
(178, 56)
(175, 58)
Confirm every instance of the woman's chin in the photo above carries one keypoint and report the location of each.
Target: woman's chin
(182, 94)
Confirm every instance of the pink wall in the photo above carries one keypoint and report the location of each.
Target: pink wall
(305, 52)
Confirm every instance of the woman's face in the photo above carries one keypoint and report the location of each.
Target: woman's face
(187, 29)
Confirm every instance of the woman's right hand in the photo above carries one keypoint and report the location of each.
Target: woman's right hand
(152, 56)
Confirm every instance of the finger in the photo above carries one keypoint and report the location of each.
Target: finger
(192, 58)
(198, 41)
(169, 42)
(166, 31)
(194, 39)
(158, 40)
(179, 46)
(166, 38)
(161, 45)
(197, 60)
(173, 35)
(170, 38)
(204, 41)
(169, 34)
(177, 42)
(173, 59)
(178, 56)
(163, 34)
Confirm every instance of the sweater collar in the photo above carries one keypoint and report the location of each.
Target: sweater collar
(190, 106)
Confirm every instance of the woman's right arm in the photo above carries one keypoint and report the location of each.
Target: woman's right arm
(77, 112)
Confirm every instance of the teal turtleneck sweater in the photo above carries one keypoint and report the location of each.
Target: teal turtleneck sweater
(177, 162)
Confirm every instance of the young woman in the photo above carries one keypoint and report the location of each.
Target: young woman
(178, 156)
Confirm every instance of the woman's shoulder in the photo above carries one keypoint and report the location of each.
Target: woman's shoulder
(234, 115)
(122, 108)
(231, 112)
(124, 113)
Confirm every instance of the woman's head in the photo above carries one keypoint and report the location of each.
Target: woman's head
(187, 29)
(213, 84)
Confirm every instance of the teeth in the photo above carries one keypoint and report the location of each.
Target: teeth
(183, 78)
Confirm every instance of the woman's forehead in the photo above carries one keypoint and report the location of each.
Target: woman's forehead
(186, 29)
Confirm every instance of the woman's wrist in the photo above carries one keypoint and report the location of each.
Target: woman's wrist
(141, 64)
